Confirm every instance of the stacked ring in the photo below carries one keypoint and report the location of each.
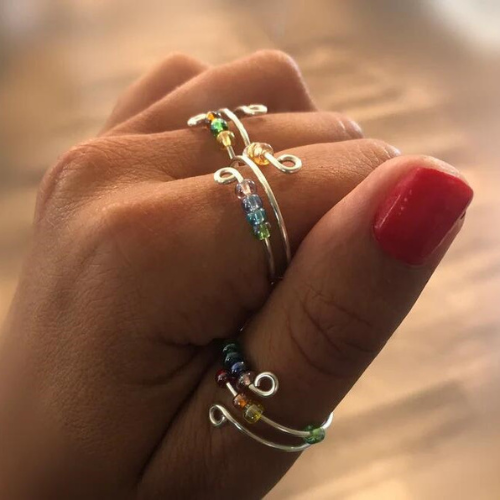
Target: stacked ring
(235, 375)
(239, 380)
(255, 155)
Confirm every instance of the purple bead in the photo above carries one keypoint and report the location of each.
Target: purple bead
(251, 203)
(238, 367)
(245, 188)
(245, 379)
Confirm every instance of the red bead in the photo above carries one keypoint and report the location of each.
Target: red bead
(222, 377)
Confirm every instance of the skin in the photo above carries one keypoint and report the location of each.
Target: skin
(139, 262)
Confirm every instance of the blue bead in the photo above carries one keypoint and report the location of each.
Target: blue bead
(251, 203)
(231, 358)
(257, 217)
(238, 368)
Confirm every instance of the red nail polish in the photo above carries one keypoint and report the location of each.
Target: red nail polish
(419, 212)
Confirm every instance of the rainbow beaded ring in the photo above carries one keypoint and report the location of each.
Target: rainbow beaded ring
(254, 156)
(239, 380)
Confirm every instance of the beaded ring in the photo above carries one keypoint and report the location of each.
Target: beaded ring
(239, 380)
(255, 154)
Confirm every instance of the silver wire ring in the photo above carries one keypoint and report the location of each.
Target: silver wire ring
(219, 415)
(281, 163)
(265, 393)
(226, 416)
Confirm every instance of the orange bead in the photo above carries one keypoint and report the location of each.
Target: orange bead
(211, 116)
(241, 401)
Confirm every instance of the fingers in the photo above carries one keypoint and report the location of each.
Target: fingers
(160, 81)
(216, 260)
(355, 277)
(187, 153)
(179, 154)
(268, 77)
(282, 131)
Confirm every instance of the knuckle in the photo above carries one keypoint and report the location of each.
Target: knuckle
(123, 225)
(286, 73)
(119, 222)
(73, 171)
(280, 58)
(180, 61)
(335, 339)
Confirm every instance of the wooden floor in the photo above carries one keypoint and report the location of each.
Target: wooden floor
(423, 423)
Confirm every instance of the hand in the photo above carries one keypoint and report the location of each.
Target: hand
(140, 261)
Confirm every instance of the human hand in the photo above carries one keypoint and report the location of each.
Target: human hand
(140, 262)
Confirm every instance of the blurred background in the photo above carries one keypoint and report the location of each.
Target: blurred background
(423, 422)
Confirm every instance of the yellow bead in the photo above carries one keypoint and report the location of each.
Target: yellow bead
(257, 151)
(211, 116)
(253, 412)
(226, 138)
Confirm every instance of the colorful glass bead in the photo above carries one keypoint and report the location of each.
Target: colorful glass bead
(253, 412)
(257, 151)
(262, 231)
(257, 217)
(245, 379)
(251, 203)
(245, 188)
(226, 139)
(231, 358)
(231, 345)
(317, 434)
(222, 377)
(241, 401)
(212, 115)
(238, 367)
(218, 125)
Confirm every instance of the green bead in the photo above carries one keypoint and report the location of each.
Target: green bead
(317, 434)
(230, 345)
(217, 126)
(262, 231)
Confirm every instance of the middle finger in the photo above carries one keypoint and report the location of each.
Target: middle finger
(186, 153)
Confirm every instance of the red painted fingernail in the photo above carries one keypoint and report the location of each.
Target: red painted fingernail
(419, 212)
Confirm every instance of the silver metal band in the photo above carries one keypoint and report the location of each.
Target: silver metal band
(279, 163)
(285, 163)
(219, 415)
